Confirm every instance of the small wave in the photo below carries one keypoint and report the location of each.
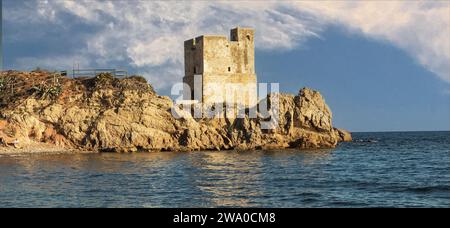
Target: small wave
(365, 140)
(422, 189)
(348, 204)
(310, 200)
(429, 189)
(397, 188)
(308, 195)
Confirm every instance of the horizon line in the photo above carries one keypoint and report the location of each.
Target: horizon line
(399, 131)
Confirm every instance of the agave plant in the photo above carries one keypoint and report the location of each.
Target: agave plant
(2, 84)
(43, 91)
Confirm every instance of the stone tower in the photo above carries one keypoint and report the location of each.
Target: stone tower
(226, 67)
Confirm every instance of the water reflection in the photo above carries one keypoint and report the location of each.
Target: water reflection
(208, 179)
(303, 157)
(228, 178)
(103, 162)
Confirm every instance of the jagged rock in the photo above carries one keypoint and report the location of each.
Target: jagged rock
(107, 114)
(313, 112)
(343, 135)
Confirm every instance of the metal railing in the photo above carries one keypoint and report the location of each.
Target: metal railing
(76, 73)
(9, 84)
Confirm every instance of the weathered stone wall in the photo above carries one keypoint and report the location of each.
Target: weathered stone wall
(240, 88)
(193, 56)
(243, 49)
(220, 62)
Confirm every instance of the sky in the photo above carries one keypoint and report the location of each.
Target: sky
(381, 66)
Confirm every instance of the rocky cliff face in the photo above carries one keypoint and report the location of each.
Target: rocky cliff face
(108, 114)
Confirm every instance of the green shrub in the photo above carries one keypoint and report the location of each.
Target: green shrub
(44, 91)
(4, 81)
(138, 78)
(104, 77)
(2, 84)
(104, 80)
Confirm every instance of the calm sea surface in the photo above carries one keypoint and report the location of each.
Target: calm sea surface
(405, 169)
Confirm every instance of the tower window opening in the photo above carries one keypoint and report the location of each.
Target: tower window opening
(229, 69)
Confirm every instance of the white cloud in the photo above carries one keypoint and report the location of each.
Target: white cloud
(420, 28)
(150, 34)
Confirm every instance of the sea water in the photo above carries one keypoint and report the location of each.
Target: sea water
(386, 169)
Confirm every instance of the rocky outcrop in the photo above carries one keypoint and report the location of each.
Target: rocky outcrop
(343, 135)
(108, 114)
